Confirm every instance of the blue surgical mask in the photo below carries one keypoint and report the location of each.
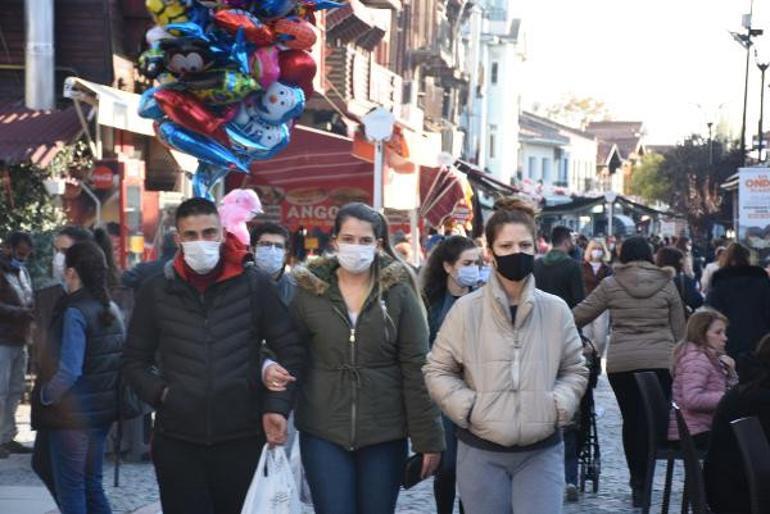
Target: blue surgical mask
(270, 259)
(17, 264)
(484, 273)
(468, 276)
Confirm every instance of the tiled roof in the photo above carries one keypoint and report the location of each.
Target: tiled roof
(36, 136)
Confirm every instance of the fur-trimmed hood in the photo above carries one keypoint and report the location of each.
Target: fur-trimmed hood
(316, 276)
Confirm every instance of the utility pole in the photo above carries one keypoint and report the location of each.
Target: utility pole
(709, 124)
(745, 40)
(762, 68)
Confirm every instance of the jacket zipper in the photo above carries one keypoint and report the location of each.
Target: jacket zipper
(517, 377)
(353, 406)
(209, 381)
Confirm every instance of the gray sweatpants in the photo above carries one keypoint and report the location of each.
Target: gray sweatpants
(504, 483)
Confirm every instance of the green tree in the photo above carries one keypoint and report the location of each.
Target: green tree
(648, 182)
(694, 170)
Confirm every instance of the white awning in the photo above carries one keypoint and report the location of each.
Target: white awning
(115, 108)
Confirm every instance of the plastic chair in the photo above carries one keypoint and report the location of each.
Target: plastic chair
(756, 460)
(657, 411)
(694, 485)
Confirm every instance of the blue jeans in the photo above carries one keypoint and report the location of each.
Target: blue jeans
(77, 456)
(571, 454)
(363, 481)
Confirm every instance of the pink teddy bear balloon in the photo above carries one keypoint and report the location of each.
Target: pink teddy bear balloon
(238, 207)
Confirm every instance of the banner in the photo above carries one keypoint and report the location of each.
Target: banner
(754, 208)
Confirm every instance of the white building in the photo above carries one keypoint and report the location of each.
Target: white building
(556, 156)
(495, 48)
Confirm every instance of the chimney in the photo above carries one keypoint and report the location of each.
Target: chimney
(39, 64)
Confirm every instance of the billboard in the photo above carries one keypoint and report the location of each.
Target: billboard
(754, 208)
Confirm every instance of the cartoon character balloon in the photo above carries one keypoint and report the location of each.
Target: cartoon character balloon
(230, 77)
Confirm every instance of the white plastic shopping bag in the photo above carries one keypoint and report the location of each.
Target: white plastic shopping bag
(273, 489)
(295, 459)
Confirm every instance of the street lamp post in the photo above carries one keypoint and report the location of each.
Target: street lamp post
(709, 124)
(762, 68)
(378, 125)
(745, 40)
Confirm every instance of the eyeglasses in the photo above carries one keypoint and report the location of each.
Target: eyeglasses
(270, 244)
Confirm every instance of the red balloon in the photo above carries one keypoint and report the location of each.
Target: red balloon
(189, 112)
(230, 20)
(298, 69)
(295, 33)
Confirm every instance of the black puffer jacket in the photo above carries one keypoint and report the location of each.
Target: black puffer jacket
(208, 348)
(92, 400)
(742, 293)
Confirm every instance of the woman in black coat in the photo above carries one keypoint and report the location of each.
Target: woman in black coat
(726, 487)
(742, 293)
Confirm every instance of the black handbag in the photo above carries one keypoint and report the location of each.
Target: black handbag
(412, 471)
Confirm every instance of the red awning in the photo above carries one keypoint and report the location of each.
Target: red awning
(36, 136)
(308, 181)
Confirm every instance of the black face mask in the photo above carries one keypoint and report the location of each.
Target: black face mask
(515, 266)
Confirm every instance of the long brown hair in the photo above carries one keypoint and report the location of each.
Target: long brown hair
(697, 326)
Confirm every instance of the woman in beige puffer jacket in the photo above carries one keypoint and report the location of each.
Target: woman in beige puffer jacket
(647, 320)
(507, 369)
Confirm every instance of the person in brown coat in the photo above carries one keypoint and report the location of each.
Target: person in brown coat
(647, 321)
(595, 269)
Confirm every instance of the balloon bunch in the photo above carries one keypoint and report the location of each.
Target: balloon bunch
(231, 75)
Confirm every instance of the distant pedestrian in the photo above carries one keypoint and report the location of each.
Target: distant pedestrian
(270, 243)
(193, 354)
(135, 277)
(595, 269)
(673, 259)
(74, 401)
(702, 374)
(741, 292)
(711, 268)
(103, 239)
(560, 274)
(17, 307)
(507, 369)
(647, 319)
(452, 271)
(364, 394)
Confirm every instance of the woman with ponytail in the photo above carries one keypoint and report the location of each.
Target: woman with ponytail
(507, 369)
(363, 394)
(75, 398)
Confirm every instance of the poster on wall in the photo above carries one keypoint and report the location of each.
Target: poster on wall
(754, 209)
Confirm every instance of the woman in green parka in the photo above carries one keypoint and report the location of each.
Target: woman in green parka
(362, 393)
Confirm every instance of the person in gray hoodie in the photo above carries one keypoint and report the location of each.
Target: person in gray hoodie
(647, 321)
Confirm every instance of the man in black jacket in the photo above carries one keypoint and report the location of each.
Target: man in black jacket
(193, 353)
(561, 275)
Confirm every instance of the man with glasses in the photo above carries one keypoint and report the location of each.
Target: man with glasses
(271, 244)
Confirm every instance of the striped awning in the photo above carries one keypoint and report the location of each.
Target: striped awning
(35, 136)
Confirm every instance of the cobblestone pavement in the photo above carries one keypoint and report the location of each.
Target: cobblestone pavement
(139, 489)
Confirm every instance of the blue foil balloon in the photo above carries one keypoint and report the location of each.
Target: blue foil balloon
(205, 178)
(272, 9)
(148, 106)
(203, 148)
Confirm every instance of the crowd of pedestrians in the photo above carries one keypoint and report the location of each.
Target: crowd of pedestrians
(474, 362)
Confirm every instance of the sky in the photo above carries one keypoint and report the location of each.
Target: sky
(654, 61)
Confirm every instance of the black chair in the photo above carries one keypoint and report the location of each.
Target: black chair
(756, 459)
(657, 411)
(694, 485)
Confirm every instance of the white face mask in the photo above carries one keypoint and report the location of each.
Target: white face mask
(355, 258)
(201, 256)
(269, 259)
(58, 266)
(597, 255)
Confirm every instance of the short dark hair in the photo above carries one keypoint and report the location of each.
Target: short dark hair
(195, 207)
(77, 234)
(636, 249)
(737, 255)
(268, 228)
(670, 256)
(559, 234)
(16, 238)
